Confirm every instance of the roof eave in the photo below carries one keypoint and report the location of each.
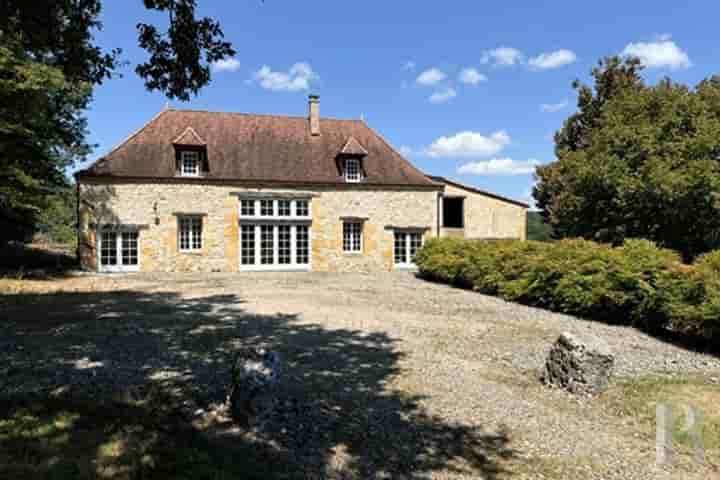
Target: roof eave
(444, 180)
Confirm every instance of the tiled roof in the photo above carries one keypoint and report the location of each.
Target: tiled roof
(257, 148)
(353, 147)
(189, 137)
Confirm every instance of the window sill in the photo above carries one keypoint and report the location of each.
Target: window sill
(353, 254)
(191, 252)
(405, 266)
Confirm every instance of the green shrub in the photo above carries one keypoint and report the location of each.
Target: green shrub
(695, 305)
(635, 284)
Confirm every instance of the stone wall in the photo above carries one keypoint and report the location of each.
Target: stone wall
(153, 207)
(488, 217)
(382, 209)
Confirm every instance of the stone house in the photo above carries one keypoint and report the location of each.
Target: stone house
(208, 191)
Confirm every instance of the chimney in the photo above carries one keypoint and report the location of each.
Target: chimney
(314, 104)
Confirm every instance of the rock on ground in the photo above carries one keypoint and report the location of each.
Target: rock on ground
(579, 364)
(255, 376)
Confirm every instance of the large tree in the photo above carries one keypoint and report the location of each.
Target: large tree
(637, 161)
(49, 64)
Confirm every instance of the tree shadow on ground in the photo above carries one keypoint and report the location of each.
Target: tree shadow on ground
(21, 260)
(153, 363)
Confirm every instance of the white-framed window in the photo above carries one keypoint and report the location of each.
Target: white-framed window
(352, 237)
(247, 208)
(274, 246)
(406, 245)
(190, 233)
(266, 208)
(302, 208)
(118, 250)
(352, 170)
(190, 163)
(283, 208)
(287, 209)
(247, 244)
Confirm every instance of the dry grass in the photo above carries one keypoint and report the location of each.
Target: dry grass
(637, 401)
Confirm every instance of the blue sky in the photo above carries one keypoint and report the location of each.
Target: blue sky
(466, 89)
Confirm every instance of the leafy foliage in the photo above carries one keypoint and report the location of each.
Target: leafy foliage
(49, 64)
(41, 133)
(176, 64)
(537, 228)
(636, 283)
(637, 161)
(57, 223)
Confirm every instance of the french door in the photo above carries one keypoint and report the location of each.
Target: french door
(274, 246)
(118, 251)
(406, 245)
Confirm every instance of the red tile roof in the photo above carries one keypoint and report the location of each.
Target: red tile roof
(257, 148)
(189, 137)
(353, 147)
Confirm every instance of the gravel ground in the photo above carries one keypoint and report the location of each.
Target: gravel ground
(388, 376)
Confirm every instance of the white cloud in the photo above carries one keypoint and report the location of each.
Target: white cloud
(529, 199)
(468, 144)
(443, 96)
(502, 56)
(550, 60)
(499, 166)
(225, 65)
(660, 54)
(471, 76)
(297, 78)
(405, 150)
(409, 65)
(430, 77)
(553, 107)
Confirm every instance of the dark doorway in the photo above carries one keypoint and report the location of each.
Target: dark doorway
(453, 212)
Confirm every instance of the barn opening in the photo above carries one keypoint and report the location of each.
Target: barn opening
(453, 212)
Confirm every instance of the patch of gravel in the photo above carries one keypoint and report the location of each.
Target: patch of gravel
(375, 363)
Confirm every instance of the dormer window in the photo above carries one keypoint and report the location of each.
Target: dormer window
(190, 154)
(190, 163)
(353, 174)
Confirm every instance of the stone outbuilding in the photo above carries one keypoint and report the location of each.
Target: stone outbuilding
(210, 191)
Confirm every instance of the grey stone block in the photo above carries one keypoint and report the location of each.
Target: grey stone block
(580, 364)
(253, 393)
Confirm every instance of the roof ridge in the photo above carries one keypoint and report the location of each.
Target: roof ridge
(270, 115)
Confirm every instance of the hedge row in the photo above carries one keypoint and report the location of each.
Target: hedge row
(637, 283)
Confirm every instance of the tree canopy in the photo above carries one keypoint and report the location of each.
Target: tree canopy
(637, 160)
(49, 64)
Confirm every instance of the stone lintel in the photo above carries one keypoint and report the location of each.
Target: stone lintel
(406, 227)
(190, 214)
(273, 195)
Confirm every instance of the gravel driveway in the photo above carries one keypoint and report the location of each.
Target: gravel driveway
(388, 376)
